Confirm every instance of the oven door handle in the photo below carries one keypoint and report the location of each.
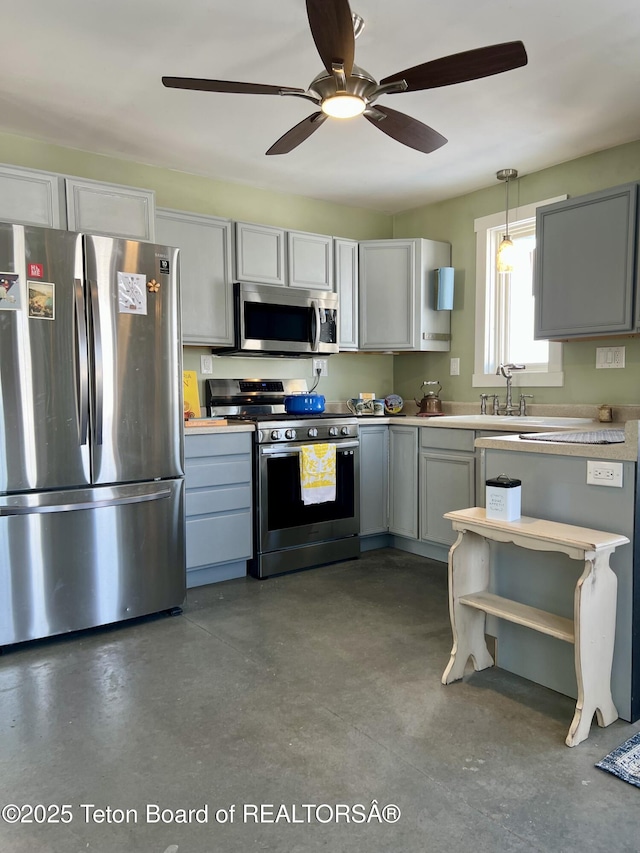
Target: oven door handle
(294, 450)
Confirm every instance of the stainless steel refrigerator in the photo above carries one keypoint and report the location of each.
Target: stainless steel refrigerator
(91, 426)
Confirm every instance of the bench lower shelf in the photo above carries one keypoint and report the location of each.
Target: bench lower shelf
(522, 614)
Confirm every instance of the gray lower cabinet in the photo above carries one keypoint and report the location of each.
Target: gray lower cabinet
(374, 479)
(403, 481)
(447, 480)
(32, 197)
(206, 274)
(218, 504)
(585, 271)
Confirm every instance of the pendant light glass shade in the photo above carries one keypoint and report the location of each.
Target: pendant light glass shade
(506, 254)
(506, 251)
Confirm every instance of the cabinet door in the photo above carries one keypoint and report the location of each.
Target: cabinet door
(260, 253)
(205, 274)
(346, 285)
(310, 258)
(403, 477)
(374, 479)
(387, 295)
(117, 211)
(30, 197)
(447, 482)
(584, 271)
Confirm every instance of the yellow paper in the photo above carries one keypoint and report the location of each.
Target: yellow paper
(191, 395)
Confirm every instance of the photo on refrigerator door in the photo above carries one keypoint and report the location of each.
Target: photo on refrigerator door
(42, 299)
(9, 291)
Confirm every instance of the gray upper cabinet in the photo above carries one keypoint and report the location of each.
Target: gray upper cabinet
(346, 286)
(31, 197)
(310, 260)
(117, 211)
(260, 253)
(585, 276)
(398, 296)
(205, 244)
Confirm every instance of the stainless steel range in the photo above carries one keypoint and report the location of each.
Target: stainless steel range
(288, 534)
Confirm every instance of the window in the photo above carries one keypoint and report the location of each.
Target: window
(505, 306)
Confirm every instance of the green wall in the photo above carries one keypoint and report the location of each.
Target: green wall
(452, 221)
(348, 373)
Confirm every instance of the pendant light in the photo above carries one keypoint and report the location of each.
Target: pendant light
(505, 256)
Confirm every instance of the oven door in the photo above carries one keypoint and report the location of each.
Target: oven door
(283, 520)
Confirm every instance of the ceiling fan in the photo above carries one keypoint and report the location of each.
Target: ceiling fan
(344, 90)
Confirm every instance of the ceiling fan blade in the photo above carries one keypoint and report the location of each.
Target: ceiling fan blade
(460, 67)
(409, 131)
(332, 30)
(225, 86)
(292, 138)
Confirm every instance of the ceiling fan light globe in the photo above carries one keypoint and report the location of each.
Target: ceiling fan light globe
(343, 106)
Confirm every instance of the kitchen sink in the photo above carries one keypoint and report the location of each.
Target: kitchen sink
(517, 421)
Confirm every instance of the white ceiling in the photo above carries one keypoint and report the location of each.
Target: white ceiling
(86, 74)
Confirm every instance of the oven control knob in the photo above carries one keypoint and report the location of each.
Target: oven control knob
(290, 433)
(333, 430)
(275, 434)
(313, 432)
(345, 431)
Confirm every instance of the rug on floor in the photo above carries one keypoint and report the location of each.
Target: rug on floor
(624, 761)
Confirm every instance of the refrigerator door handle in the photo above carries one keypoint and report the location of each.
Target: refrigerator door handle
(98, 366)
(82, 367)
(30, 509)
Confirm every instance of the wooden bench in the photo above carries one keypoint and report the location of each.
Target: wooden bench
(591, 630)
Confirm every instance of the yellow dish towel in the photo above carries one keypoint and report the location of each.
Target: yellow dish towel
(318, 473)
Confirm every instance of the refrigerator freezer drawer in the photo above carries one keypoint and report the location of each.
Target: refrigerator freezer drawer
(99, 556)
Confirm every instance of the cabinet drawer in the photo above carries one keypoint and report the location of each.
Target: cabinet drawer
(211, 501)
(217, 444)
(217, 472)
(443, 438)
(222, 539)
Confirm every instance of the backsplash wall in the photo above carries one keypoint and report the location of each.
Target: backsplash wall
(349, 373)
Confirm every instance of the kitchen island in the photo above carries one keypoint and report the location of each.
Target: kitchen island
(554, 487)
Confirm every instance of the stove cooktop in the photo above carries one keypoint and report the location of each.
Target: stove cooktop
(283, 416)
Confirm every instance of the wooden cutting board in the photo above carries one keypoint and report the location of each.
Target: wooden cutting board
(205, 422)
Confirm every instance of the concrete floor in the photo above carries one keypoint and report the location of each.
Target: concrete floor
(321, 688)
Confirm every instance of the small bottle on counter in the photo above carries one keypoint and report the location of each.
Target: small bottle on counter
(605, 414)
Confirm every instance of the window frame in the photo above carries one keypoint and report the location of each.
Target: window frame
(486, 298)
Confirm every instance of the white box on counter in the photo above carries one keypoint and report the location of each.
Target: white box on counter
(503, 498)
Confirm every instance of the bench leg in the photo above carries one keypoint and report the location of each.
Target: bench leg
(595, 621)
(468, 573)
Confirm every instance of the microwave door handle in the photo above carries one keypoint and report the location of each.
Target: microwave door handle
(315, 332)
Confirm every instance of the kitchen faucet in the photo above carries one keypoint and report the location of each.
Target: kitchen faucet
(509, 408)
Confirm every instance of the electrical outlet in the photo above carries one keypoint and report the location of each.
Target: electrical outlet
(322, 365)
(206, 365)
(603, 473)
(454, 368)
(610, 357)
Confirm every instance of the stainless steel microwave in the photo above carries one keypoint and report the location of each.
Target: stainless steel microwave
(283, 321)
